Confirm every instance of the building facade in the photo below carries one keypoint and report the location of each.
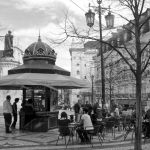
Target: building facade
(120, 81)
(82, 67)
(120, 85)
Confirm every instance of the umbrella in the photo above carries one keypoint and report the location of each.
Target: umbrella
(50, 80)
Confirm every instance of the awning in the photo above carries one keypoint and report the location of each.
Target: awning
(49, 80)
(126, 101)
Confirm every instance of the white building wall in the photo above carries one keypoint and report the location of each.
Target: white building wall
(81, 68)
(7, 63)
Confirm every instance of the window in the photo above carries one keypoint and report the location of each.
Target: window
(78, 72)
(40, 51)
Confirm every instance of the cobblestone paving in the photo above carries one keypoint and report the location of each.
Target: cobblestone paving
(47, 141)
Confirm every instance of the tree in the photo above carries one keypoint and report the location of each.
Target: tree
(132, 52)
(112, 78)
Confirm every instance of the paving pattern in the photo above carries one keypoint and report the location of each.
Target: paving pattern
(23, 140)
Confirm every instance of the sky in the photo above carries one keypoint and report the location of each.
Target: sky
(25, 18)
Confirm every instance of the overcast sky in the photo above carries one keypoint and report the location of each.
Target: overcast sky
(26, 17)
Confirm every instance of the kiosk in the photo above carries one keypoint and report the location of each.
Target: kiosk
(39, 78)
(41, 117)
(39, 58)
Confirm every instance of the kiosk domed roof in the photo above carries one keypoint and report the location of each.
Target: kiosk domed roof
(40, 51)
(39, 48)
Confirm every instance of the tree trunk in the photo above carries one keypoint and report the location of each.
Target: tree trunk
(138, 126)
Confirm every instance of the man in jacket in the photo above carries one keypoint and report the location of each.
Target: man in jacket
(14, 107)
(76, 110)
(7, 112)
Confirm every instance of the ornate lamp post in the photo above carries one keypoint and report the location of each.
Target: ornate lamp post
(90, 16)
(92, 78)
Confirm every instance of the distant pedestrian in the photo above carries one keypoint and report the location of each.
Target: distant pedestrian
(116, 112)
(76, 110)
(14, 107)
(89, 107)
(7, 112)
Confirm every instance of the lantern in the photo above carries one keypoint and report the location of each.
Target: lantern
(90, 16)
(109, 20)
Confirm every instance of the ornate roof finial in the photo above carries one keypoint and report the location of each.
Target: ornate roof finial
(39, 39)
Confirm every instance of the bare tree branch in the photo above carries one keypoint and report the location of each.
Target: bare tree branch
(146, 64)
(142, 6)
(144, 48)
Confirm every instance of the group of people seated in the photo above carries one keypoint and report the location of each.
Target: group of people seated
(89, 116)
(85, 124)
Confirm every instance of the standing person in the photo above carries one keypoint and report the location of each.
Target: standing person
(7, 112)
(146, 124)
(76, 110)
(89, 107)
(14, 107)
(116, 111)
(95, 106)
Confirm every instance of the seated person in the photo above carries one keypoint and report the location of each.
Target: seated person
(94, 118)
(63, 123)
(85, 125)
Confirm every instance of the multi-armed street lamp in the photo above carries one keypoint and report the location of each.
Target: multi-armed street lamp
(90, 16)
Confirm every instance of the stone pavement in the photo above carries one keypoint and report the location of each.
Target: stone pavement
(20, 140)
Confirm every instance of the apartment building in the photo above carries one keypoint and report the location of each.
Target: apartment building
(82, 67)
(120, 81)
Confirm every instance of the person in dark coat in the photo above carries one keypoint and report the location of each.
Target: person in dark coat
(14, 108)
(89, 107)
(7, 112)
(63, 123)
(147, 124)
(29, 111)
(76, 110)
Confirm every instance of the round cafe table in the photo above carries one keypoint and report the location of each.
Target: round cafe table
(72, 127)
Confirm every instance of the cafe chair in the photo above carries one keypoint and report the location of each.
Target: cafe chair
(110, 127)
(95, 133)
(64, 132)
(129, 128)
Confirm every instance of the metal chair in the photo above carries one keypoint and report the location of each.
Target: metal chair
(110, 126)
(96, 132)
(129, 128)
(64, 132)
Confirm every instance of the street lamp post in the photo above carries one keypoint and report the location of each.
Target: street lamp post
(109, 22)
(92, 95)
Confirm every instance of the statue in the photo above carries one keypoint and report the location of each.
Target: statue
(8, 45)
(8, 41)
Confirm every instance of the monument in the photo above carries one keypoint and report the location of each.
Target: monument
(8, 45)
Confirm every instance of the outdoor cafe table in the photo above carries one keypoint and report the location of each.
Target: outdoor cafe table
(72, 127)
